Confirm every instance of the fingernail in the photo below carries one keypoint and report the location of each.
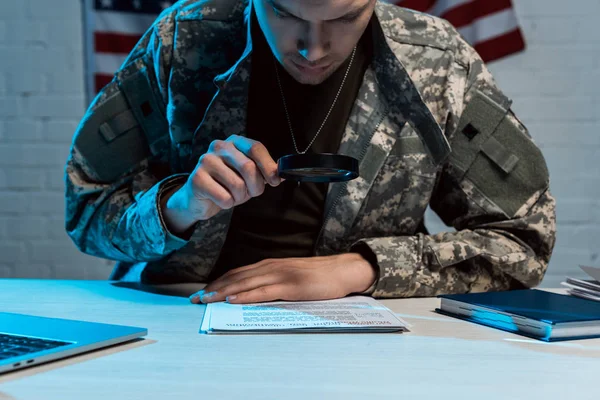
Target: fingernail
(229, 298)
(206, 296)
(196, 296)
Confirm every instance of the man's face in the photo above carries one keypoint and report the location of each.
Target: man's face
(312, 38)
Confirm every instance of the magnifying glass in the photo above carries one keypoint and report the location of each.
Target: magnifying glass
(318, 167)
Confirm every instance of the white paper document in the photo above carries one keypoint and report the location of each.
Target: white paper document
(349, 314)
(587, 289)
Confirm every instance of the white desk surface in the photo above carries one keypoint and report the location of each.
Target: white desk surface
(441, 358)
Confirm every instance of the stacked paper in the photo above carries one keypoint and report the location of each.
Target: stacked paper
(587, 289)
(350, 314)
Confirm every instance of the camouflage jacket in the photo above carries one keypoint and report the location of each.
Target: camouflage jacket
(418, 141)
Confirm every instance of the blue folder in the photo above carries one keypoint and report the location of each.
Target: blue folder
(533, 313)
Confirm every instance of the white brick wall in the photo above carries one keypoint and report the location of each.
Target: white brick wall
(41, 102)
(555, 86)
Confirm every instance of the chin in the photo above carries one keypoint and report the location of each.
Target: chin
(308, 79)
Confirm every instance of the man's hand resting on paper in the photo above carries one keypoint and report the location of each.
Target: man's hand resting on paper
(293, 279)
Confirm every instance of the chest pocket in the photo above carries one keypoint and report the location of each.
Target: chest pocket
(401, 190)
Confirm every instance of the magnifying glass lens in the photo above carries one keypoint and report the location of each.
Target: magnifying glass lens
(318, 167)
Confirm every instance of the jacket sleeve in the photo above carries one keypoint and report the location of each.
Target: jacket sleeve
(113, 180)
(504, 215)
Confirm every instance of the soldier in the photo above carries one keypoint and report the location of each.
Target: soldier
(173, 169)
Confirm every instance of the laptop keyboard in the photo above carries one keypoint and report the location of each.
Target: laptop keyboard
(15, 346)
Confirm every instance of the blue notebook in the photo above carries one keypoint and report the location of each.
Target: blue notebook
(533, 313)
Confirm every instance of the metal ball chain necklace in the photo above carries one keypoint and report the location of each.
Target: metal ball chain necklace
(287, 115)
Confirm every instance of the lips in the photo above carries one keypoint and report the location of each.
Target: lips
(311, 68)
(315, 67)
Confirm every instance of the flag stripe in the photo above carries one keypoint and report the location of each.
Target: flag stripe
(101, 80)
(501, 46)
(152, 7)
(122, 22)
(442, 7)
(490, 27)
(466, 13)
(115, 42)
(419, 5)
(109, 63)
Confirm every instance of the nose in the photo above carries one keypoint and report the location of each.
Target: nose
(316, 43)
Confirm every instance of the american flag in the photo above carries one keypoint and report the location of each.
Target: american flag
(491, 26)
(113, 27)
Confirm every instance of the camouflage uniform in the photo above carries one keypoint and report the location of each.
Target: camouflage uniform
(411, 128)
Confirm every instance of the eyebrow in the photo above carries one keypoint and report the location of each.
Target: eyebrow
(349, 15)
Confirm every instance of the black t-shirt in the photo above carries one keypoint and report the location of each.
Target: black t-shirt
(286, 220)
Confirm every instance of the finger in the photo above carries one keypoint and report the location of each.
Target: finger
(260, 155)
(206, 187)
(195, 297)
(235, 272)
(240, 286)
(266, 261)
(247, 168)
(259, 295)
(223, 281)
(224, 175)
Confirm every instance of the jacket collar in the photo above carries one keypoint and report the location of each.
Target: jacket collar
(389, 73)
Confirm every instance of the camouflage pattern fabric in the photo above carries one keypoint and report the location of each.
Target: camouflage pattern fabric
(401, 128)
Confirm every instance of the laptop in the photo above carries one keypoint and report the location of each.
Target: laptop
(27, 340)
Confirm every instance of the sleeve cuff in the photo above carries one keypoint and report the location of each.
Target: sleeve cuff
(152, 221)
(366, 252)
(397, 260)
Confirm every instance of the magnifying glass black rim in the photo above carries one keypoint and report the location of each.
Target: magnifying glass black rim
(298, 166)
